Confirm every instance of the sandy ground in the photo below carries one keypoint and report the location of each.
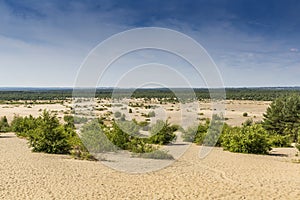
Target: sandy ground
(221, 175)
(35, 110)
(184, 115)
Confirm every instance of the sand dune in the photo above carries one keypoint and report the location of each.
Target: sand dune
(221, 175)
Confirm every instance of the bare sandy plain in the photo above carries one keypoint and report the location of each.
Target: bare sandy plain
(220, 175)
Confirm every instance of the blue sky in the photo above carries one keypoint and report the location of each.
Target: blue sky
(253, 43)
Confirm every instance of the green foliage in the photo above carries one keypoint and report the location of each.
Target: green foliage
(130, 110)
(162, 133)
(4, 126)
(283, 116)
(248, 122)
(94, 139)
(49, 136)
(125, 136)
(298, 147)
(277, 140)
(129, 127)
(298, 144)
(246, 139)
(205, 134)
(22, 125)
(118, 137)
(213, 135)
(46, 134)
(196, 134)
(245, 114)
(158, 154)
(138, 145)
(266, 94)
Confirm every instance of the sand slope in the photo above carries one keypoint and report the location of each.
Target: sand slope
(221, 175)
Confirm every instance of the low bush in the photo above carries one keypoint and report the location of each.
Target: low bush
(196, 134)
(117, 114)
(158, 154)
(49, 136)
(4, 126)
(94, 139)
(151, 114)
(246, 139)
(22, 125)
(161, 133)
(277, 140)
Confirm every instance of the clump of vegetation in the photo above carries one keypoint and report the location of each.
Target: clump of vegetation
(245, 114)
(94, 139)
(49, 136)
(158, 154)
(277, 140)
(46, 134)
(246, 139)
(205, 134)
(117, 114)
(151, 114)
(4, 126)
(162, 133)
(298, 147)
(298, 144)
(196, 134)
(22, 125)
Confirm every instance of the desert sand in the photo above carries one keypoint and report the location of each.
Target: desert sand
(221, 175)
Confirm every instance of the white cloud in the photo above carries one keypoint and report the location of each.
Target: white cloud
(294, 50)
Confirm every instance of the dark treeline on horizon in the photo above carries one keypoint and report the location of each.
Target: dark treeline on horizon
(267, 94)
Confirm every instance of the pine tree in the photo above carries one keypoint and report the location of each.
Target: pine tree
(283, 116)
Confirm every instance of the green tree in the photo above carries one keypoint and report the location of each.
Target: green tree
(283, 116)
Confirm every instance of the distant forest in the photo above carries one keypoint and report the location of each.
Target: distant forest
(266, 94)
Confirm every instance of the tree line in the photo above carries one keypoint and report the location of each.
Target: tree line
(266, 94)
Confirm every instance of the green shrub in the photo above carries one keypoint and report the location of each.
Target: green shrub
(214, 131)
(195, 134)
(245, 114)
(138, 145)
(118, 137)
(21, 126)
(162, 133)
(151, 114)
(49, 136)
(158, 154)
(94, 139)
(248, 122)
(246, 139)
(4, 126)
(277, 140)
